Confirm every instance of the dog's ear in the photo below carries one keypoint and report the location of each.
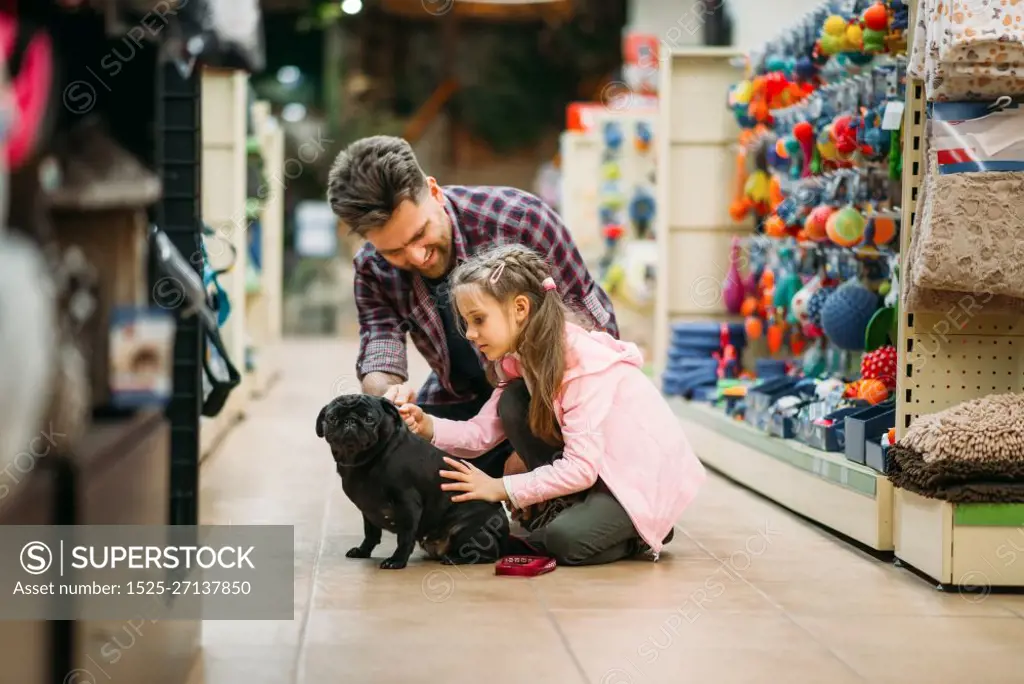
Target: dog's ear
(390, 408)
(320, 422)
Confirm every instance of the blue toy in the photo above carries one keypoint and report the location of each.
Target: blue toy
(846, 315)
(641, 211)
(612, 136)
(644, 136)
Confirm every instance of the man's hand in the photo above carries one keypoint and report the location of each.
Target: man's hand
(400, 395)
(419, 422)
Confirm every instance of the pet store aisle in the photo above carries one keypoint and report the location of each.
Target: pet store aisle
(745, 592)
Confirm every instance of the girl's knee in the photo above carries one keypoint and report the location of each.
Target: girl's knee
(563, 543)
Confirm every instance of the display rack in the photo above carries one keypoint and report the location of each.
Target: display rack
(224, 106)
(697, 163)
(946, 359)
(851, 499)
(695, 168)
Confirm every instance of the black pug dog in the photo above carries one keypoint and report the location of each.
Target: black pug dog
(393, 476)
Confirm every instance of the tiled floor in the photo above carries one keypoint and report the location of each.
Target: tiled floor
(746, 593)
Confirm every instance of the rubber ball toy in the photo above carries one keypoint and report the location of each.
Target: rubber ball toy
(817, 221)
(816, 303)
(845, 227)
(798, 307)
(803, 132)
(833, 35)
(854, 38)
(872, 391)
(880, 365)
(775, 63)
(874, 41)
(780, 149)
(880, 230)
(844, 133)
(876, 17)
(774, 227)
(805, 69)
(846, 314)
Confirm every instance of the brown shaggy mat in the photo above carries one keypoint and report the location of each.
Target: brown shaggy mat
(970, 453)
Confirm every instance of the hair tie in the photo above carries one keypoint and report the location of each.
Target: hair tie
(548, 284)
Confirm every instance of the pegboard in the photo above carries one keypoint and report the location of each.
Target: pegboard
(963, 353)
(946, 358)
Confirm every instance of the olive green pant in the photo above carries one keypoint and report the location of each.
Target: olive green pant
(594, 531)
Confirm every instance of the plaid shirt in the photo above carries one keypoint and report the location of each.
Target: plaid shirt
(393, 302)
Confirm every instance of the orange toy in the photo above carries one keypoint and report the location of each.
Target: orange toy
(885, 229)
(774, 227)
(872, 391)
(776, 334)
(892, 436)
(775, 195)
(749, 306)
(797, 343)
(740, 204)
(753, 327)
(816, 222)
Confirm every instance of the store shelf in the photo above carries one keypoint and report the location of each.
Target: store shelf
(696, 161)
(849, 498)
(946, 358)
(966, 545)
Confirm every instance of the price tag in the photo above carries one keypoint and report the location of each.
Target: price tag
(893, 116)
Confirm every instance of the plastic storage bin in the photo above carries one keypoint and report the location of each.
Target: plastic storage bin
(869, 423)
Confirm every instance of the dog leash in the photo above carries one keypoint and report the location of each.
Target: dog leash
(524, 566)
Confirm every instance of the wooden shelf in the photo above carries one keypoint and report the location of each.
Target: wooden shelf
(847, 497)
(974, 546)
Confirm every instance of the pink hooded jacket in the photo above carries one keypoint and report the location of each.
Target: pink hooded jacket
(615, 425)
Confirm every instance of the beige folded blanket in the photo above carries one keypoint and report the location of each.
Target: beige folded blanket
(967, 244)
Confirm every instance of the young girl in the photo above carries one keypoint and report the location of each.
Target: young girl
(594, 434)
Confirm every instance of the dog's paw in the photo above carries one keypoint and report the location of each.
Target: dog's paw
(392, 564)
(358, 552)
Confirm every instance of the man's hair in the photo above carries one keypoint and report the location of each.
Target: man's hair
(370, 178)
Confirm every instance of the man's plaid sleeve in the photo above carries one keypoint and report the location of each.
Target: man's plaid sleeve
(382, 347)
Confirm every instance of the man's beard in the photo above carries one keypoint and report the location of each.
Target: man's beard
(439, 268)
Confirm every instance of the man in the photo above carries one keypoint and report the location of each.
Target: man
(416, 233)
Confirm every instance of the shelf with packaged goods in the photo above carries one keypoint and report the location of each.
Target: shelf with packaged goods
(977, 545)
(851, 499)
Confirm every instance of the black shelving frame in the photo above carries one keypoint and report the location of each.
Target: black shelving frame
(178, 159)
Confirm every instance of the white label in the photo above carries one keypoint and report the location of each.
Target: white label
(893, 115)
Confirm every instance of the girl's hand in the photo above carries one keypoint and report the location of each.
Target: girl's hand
(474, 482)
(418, 421)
